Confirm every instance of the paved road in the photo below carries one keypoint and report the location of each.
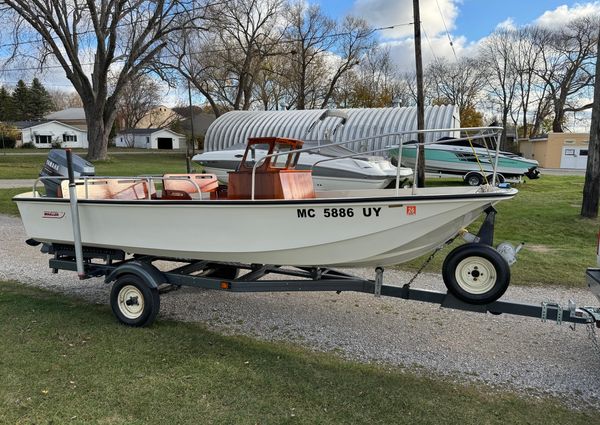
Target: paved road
(9, 184)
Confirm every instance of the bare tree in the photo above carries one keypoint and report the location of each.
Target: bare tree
(459, 83)
(354, 38)
(496, 54)
(224, 63)
(373, 83)
(568, 57)
(89, 39)
(62, 99)
(138, 100)
(310, 34)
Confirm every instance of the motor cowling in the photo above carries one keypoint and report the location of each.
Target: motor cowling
(56, 166)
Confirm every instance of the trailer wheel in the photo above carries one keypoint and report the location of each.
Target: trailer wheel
(476, 273)
(133, 301)
(474, 179)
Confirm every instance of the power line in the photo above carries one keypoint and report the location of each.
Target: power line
(220, 50)
(429, 43)
(446, 28)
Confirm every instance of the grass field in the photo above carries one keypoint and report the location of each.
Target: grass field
(29, 166)
(64, 361)
(559, 244)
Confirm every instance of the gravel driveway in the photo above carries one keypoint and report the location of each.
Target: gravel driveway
(523, 354)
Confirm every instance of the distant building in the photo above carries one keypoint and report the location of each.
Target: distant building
(45, 134)
(149, 138)
(71, 116)
(558, 150)
(201, 123)
(159, 117)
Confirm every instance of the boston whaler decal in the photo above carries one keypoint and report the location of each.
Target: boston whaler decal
(53, 214)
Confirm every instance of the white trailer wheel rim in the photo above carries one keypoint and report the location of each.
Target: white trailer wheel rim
(475, 275)
(128, 305)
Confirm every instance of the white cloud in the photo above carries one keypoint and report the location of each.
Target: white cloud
(507, 24)
(383, 13)
(564, 13)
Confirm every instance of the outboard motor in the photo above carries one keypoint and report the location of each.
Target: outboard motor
(56, 166)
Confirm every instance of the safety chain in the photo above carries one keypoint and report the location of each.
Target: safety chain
(591, 328)
(438, 249)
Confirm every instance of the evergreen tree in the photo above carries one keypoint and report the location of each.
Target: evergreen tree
(40, 102)
(20, 101)
(5, 105)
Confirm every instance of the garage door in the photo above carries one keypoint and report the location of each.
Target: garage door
(165, 143)
(574, 158)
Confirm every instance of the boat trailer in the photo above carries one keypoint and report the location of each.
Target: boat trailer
(138, 283)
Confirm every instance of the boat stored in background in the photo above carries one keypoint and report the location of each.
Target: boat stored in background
(328, 173)
(471, 160)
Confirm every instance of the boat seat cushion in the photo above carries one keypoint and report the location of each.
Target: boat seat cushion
(110, 189)
(176, 186)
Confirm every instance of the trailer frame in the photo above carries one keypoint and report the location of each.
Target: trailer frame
(114, 264)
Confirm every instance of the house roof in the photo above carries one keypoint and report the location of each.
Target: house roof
(67, 114)
(25, 124)
(201, 123)
(148, 131)
(33, 124)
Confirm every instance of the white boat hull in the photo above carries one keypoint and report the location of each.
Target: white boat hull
(338, 174)
(322, 182)
(349, 231)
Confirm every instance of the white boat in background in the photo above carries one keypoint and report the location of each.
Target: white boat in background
(333, 168)
(271, 213)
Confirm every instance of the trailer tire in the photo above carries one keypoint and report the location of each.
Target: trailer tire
(474, 179)
(133, 301)
(476, 273)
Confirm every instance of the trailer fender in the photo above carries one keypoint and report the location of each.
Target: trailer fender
(147, 272)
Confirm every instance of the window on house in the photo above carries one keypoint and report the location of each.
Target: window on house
(583, 152)
(69, 138)
(43, 139)
(570, 152)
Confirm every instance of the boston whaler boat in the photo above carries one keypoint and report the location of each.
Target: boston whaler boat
(270, 215)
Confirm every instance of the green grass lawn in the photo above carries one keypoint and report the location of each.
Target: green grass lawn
(64, 361)
(29, 166)
(559, 244)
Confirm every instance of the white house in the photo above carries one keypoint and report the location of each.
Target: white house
(45, 134)
(149, 138)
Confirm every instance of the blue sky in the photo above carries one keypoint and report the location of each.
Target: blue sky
(475, 18)
(468, 21)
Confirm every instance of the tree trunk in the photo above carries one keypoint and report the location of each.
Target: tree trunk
(591, 188)
(99, 124)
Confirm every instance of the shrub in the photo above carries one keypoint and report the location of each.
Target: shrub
(7, 142)
(28, 145)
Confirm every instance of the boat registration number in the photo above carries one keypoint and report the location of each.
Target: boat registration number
(338, 212)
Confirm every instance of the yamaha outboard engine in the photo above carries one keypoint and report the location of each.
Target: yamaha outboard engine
(56, 166)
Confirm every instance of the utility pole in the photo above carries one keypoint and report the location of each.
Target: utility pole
(420, 96)
(188, 162)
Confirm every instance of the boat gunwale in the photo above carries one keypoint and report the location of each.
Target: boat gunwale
(309, 201)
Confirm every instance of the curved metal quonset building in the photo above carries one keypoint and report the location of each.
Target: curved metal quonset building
(237, 126)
